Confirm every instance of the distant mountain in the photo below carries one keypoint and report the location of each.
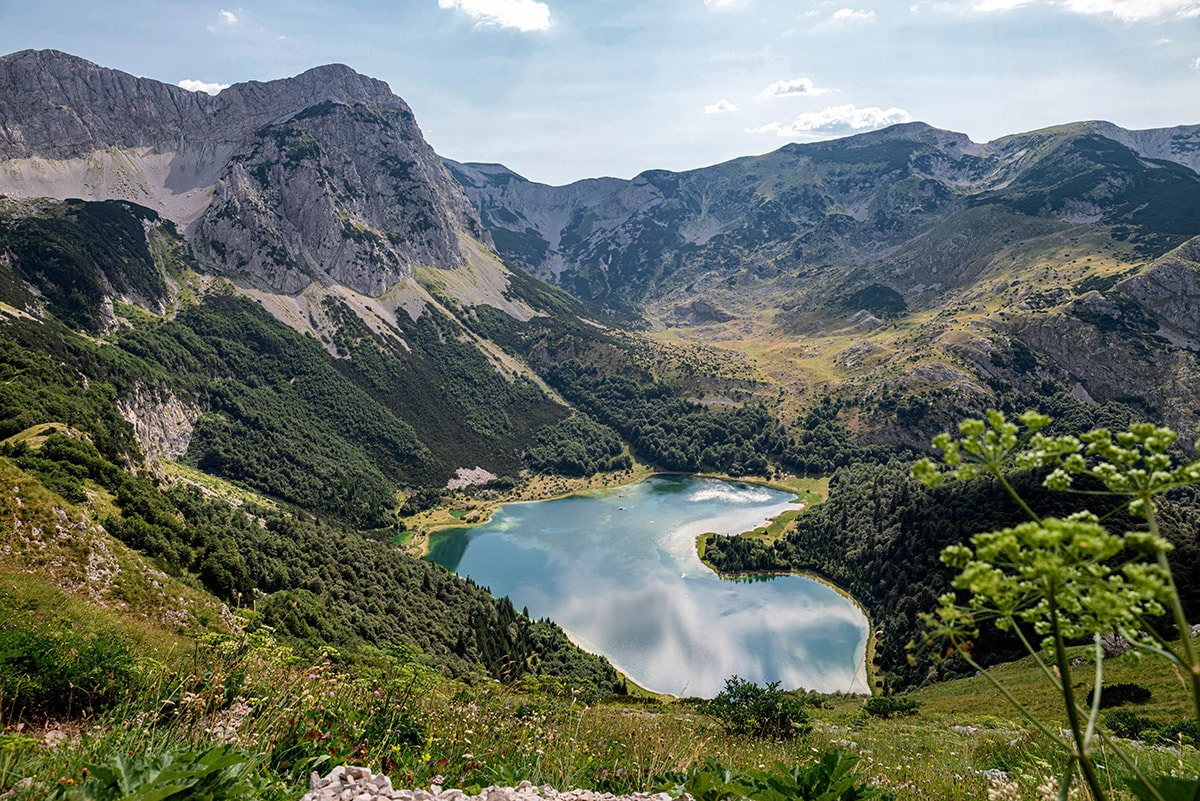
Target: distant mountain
(907, 262)
(885, 206)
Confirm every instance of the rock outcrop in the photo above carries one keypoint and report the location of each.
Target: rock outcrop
(162, 423)
(322, 177)
(348, 193)
(351, 783)
(1170, 289)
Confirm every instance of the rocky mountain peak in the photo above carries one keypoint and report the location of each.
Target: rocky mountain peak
(57, 105)
(324, 176)
(255, 103)
(347, 193)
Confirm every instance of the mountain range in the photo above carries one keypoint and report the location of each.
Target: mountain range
(914, 257)
(283, 292)
(907, 272)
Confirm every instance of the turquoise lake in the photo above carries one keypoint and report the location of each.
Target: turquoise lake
(618, 570)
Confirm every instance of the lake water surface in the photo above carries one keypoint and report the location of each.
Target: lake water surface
(619, 571)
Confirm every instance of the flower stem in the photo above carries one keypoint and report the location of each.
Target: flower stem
(1081, 752)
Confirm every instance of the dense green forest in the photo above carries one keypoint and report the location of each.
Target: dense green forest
(77, 253)
(315, 582)
(880, 536)
(578, 446)
(603, 376)
(339, 435)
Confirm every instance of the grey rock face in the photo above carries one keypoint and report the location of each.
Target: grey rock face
(1170, 290)
(345, 193)
(162, 423)
(1180, 144)
(324, 176)
(1095, 340)
(56, 105)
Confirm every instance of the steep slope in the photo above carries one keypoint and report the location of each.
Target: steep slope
(170, 560)
(324, 176)
(1136, 342)
(335, 419)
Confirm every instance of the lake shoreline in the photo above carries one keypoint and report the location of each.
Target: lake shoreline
(418, 543)
(869, 652)
(788, 495)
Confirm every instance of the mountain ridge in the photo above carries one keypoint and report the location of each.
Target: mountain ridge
(374, 200)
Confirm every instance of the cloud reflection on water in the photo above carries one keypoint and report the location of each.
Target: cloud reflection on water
(636, 591)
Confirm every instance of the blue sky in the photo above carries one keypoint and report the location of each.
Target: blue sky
(565, 89)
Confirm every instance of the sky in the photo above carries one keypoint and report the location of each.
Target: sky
(560, 90)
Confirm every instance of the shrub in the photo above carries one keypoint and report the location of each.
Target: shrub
(1118, 694)
(1185, 731)
(890, 706)
(56, 672)
(1132, 726)
(746, 709)
(1128, 724)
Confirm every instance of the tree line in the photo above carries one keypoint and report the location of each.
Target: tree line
(880, 535)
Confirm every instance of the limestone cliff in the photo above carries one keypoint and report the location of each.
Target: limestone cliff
(1170, 289)
(322, 177)
(162, 423)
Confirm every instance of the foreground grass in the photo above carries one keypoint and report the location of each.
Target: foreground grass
(288, 716)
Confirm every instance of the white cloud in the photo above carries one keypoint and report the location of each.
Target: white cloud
(1196, 64)
(797, 87)
(725, 5)
(850, 15)
(1162, 41)
(1125, 10)
(1132, 10)
(722, 106)
(524, 15)
(993, 6)
(201, 86)
(835, 120)
(228, 17)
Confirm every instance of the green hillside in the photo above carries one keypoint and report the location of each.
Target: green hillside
(221, 442)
